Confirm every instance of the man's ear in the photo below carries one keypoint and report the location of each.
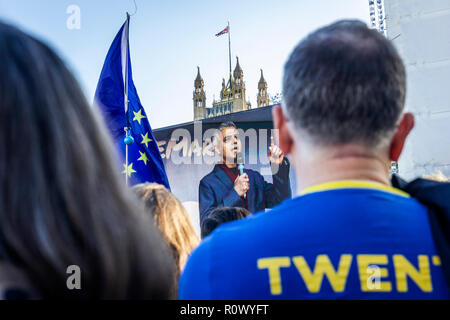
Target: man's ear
(217, 142)
(285, 140)
(398, 141)
(217, 148)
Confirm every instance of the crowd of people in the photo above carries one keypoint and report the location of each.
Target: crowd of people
(342, 122)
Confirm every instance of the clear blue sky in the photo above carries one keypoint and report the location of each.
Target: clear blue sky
(169, 38)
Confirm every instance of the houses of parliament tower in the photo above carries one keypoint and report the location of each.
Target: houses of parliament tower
(232, 95)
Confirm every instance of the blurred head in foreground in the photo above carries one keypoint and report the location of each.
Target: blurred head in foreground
(171, 218)
(344, 92)
(62, 202)
(222, 215)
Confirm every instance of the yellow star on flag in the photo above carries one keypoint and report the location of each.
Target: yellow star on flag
(145, 139)
(128, 171)
(143, 157)
(138, 116)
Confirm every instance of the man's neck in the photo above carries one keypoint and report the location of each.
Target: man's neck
(344, 163)
(228, 163)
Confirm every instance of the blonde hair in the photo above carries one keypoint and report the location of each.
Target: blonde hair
(437, 176)
(171, 218)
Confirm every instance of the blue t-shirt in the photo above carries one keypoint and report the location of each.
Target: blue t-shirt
(339, 240)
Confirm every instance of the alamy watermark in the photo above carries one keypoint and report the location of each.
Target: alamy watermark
(73, 22)
(74, 279)
(374, 278)
(184, 148)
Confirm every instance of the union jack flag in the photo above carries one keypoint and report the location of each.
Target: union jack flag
(223, 31)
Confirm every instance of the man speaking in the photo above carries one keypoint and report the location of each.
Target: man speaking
(226, 187)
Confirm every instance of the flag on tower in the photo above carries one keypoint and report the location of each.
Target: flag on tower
(142, 161)
(224, 31)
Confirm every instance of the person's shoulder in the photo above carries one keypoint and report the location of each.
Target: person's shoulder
(344, 199)
(200, 254)
(209, 177)
(194, 280)
(256, 221)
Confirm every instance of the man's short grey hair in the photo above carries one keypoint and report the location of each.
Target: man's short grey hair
(227, 124)
(223, 125)
(345, 83)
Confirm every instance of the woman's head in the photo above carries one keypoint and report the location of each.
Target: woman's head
(61, 200)
(222, 215)
(171, 217)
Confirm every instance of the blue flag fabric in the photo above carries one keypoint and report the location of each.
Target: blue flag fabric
(144, 160)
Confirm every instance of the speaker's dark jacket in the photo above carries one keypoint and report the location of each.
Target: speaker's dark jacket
(217, 190)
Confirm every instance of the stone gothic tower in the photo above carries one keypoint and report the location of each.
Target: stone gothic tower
(238, 88)
(199, 97)
(262, 98)
(232, 96)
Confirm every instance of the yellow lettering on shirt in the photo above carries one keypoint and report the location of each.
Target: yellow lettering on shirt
(436, 260)
(404, 269)
(323, 267)
(372, 270)
(273, 265)
(369, 271)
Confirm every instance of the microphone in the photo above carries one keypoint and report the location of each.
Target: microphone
(240, 163)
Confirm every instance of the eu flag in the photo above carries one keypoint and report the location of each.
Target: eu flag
(144, 160)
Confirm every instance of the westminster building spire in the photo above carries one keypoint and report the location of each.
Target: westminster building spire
(232, 95)
(262, 99)
(199, 97)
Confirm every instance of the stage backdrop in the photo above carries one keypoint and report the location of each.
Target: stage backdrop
(188, 153)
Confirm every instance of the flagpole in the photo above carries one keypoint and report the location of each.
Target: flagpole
(126, 98)
(229, 44)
